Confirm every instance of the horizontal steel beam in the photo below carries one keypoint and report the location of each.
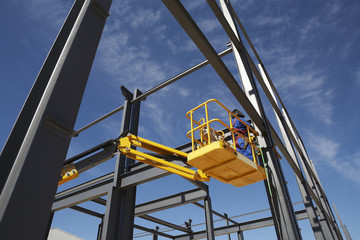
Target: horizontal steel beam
(142, 174)
(244, 226)
(165, 223)
(153, 90)
(91, 190)
(216, 213)
(82, 195)
(89, 151)
(107, 153)
(153, 231)
(87, 211)
(170, 202)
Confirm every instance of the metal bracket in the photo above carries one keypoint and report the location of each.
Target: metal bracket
(58, 128)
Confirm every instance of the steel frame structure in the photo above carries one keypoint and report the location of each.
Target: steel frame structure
(47, 117)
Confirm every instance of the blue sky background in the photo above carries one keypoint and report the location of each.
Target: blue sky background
(310, 49)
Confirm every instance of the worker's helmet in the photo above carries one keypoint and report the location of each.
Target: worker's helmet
(238, 113)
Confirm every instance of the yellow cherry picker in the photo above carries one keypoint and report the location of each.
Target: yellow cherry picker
(213, 154)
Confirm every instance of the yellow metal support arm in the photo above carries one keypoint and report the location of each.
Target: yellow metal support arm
(125, 147)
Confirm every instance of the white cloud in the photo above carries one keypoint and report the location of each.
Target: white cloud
(158, 120)
(328, 152)
(357, 77)
(177, 47)
(53, 14)
(184, 92)
(110, 127)
(262, 20)
(145, 17)
(209, 25)
(130, 64)
(299, 82)
(160, 32)
(333, 8)
(191, 5)
(348, 167)
(327, 149)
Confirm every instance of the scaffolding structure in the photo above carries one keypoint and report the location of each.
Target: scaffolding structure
(47, 117)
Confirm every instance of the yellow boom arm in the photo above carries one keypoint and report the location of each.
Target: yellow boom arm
(125, 147)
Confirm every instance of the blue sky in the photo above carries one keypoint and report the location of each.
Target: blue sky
(309, 48)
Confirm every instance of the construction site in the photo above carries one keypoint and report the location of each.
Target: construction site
(157, 189)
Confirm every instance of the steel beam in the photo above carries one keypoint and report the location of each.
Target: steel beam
(279, 198)
(28, 192)
(297, 171)
(244, 226)
(117, 220)
(170, 202)
(153, 231)
(107, 153)
(310, 209)
(153, 90)
(91, 190)
(288, 127)
(271, 97)
(164, 223)
(209, 219)
(225, 217)
(126, 223)
(87, 211)
(83, 195)
(194, 32)
(93, 193)
(18, 132)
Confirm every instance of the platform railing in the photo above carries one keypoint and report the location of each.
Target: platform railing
(207, 134)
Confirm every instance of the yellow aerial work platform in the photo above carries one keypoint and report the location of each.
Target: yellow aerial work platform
(217, 158)
(221, 162)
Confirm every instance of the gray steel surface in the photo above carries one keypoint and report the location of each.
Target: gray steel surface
(310, 209)
(244, 226)
(175, 200)
(115, 218)
(31, 195)
(280, 202)
(38, 123)
(20, 128)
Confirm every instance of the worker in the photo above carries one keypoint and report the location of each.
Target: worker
(242, 146)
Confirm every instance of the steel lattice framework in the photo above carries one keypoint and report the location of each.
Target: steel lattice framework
(48, 117)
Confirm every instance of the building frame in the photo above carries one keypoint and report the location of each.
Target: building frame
(46, 117)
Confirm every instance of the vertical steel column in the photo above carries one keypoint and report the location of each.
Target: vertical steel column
(18, 132)
(209, 218)
(325, 225)
(240, 235)
(127, 216)
(112, 211)
(155, 235)
(29, 191)
(308, 164)
(227, 224)
(328, 230)
(279, 199)
(120, 204)
(309, 206)
(347, 234)
(98, 237)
